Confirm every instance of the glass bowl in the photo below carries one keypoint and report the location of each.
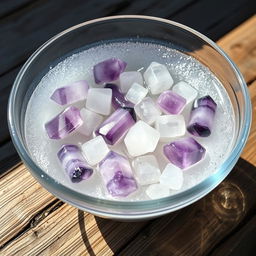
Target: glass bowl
(127, 27)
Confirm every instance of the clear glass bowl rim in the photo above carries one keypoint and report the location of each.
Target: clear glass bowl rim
(141, 209)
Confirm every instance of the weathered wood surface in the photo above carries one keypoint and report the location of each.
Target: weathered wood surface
(33, 222)
(24, 26)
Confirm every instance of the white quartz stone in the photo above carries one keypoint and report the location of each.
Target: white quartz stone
(95, 150)
(136, 93)
(185, 90)
(147, 110)
(158, 78)
(127, 79)
(141, 139)
(172, 177)
(99, 100)
(146, 170)
(156, 191)
(91, 121)
(170, 126)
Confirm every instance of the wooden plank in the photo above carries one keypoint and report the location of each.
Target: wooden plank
(205, 16)
(21, 197)
(69, 231)
(9, 6)
(240, 45)
(199, 227)
(32, 28)
(241, 243)
(8, 157)
(249, 150)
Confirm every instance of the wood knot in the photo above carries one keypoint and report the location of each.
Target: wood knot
(229, 201)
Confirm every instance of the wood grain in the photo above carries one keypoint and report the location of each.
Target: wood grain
(69, 231)
(240, 45)
(21, 197)
(204, 223)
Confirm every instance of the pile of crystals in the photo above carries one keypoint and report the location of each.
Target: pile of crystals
(137, 111)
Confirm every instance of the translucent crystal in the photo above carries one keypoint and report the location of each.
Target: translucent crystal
(185, 90)
(99, 100)
(118, 99)
(136, 93)
(91, 121)
(146, 170)
(74, 163)
(115, 126)
(170, 126)
(126, 79)
(141, 139)
(71, 93)
(108, 70)
(117, 175)
(172, 177)
(184, 152)
(64, 123)
(171, 102)
(95, 150)
(202, 117)
(147, 110)
(156, 191)
(158, 78)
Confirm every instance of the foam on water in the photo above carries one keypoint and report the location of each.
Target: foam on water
(138, 55)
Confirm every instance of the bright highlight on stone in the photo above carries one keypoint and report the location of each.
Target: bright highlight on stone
(158, 78)
(141, 139)
(99, 100)
(185, 90)
(147, 110)
(136, 93)
(95, 150)
(146, 170)
(127, 79)
(172, 177)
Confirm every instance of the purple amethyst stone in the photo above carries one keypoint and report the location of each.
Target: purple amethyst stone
(171, 102)
(118, 99)
(72, 93)
(117, 175)
(184, 152)
(108, 70)
(64, 123)
(74, 163)
(202, 117)
(115, 126)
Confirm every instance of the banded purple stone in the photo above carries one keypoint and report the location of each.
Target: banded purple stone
(116, 126)
(71, 93)
(108, 70)
(184, 152)
(64, 123)
(171, 102)
(74, 163)
(117, 175)
(202, 117)
(118, 99)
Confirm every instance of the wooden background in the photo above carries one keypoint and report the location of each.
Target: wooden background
(34, 222)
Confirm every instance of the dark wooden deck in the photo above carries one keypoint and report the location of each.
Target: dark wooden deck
(223, 223)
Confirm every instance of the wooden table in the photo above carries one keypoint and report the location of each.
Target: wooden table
(34, 222)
